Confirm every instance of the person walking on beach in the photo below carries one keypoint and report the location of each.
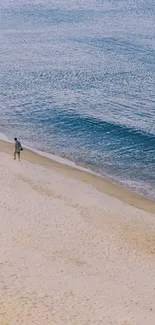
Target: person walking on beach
(18, 148)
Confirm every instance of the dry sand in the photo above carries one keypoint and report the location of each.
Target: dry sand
(75, 249)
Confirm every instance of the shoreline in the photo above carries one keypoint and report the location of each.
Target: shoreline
(82, 174)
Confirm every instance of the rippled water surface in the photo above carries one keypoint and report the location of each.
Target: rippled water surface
(78, 79)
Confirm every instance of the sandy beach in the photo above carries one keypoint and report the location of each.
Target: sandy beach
(75, 248)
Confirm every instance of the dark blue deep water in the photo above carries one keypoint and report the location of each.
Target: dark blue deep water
(77, 79)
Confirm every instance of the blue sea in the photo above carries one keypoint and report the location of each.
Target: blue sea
(77, 79)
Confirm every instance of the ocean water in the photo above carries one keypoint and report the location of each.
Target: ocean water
(77, 79)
